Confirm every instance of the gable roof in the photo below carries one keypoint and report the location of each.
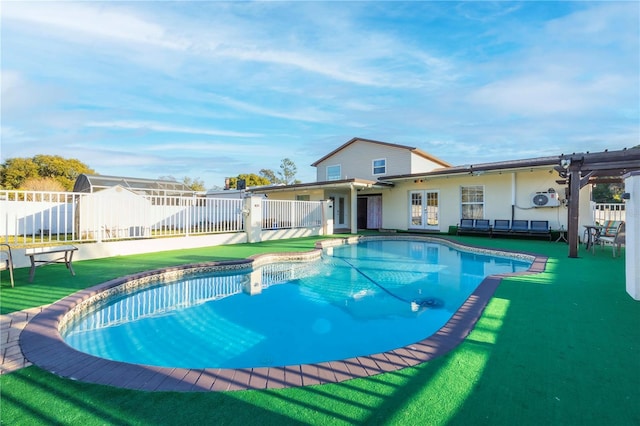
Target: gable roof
(414, 150)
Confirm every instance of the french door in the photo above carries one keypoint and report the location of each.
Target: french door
(424, 210)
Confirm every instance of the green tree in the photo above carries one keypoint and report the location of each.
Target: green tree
(14, 172)
(287, 172)
(251, 179)
(607, 193)
(195, 184)
(269, 175)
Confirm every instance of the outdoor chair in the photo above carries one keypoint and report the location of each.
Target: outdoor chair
(610, 228)
(520, 226)
(474, 226)
(616, 239)
(540, 226)
(501, 225)
(8, 262)
(482, 225)
(466, 225)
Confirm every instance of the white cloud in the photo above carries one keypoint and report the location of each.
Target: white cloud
(247, 41)
(19, 94)
(581, 64)
(159, 127)
(534, 95)
(306, 113)
(82, 20)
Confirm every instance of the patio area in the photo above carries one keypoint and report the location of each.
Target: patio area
(560, 347)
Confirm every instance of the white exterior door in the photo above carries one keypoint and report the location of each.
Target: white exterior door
(339, 210)
(424, 210)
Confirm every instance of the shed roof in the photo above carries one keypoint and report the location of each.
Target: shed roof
(93, 183)
(481, 167)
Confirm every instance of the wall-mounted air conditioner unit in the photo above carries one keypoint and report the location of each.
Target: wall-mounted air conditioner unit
(545, 199)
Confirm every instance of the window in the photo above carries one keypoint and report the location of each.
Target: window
(380, 166)
(303, 197)
(334, 172)
(472, 202)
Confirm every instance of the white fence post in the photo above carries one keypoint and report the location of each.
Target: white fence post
(327, 217)
(253, 218)
(632, 253)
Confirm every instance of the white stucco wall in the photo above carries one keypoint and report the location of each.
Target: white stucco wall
(499, 193)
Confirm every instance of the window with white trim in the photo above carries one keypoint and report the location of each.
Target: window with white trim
(334, 172)
(379, 166)
(472, 202)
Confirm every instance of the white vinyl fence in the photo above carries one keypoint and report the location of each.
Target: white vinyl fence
(281, 214)
(32, 217)
(609, 211)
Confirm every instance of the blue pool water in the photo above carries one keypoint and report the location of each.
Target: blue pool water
(357, 300)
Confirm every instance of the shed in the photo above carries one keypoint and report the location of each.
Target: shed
(115, 212)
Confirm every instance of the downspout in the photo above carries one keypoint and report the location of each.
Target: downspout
(513, 196)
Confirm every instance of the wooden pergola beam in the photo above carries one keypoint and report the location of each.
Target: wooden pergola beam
(582, 169)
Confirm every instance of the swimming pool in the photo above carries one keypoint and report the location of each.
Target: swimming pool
(356, 300)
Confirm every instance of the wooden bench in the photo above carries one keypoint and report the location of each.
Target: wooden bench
(64, 255)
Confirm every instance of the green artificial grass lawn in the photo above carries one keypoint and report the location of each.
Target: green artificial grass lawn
(557, 348)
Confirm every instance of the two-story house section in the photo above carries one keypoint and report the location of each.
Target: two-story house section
(370, 159)
(351, 177)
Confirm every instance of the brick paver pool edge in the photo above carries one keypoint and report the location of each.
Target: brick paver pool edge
(42, 344)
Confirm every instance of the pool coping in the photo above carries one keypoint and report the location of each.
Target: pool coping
(42, 344)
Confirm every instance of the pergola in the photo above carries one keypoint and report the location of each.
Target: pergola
(580, 169)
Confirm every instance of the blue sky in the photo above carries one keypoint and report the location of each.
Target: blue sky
(214, 89)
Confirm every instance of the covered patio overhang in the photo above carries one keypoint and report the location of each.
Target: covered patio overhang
(580, 169)
(350, 186)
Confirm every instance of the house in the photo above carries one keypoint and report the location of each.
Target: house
(513, 190)
(377, 185)
(353, 177)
